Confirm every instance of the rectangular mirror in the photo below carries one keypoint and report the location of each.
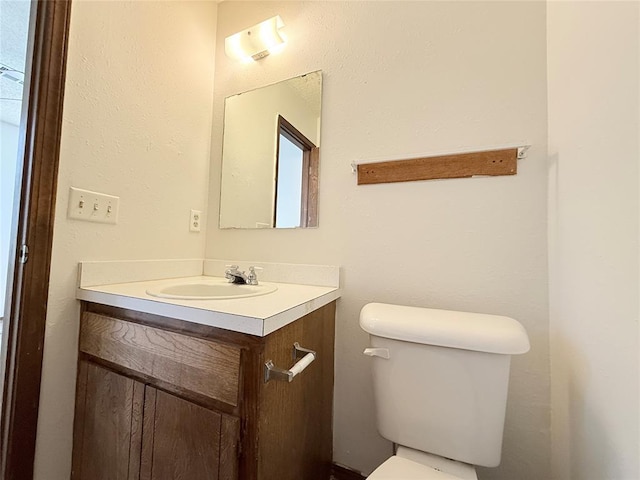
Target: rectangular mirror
(270, 155)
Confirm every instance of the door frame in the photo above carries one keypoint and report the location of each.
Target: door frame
(310, 157)
(49, 27)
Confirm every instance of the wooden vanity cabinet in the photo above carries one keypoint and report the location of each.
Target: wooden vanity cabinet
(163, 399)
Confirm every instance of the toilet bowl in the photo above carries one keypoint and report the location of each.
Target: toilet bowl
(409, 464)
(398, 468)
(440, 381)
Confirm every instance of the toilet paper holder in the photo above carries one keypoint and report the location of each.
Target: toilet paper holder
(306, 356)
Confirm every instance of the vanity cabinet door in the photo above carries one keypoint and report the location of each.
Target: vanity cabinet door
(108, 425)
(126, 430)
(182, 440)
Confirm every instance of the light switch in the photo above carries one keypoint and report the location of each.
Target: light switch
(92, 206)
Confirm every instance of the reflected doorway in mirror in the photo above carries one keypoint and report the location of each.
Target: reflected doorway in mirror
(296, 178)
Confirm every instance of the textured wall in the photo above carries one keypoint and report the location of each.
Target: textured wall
(594, 126)
(406, 79)
(137, 121)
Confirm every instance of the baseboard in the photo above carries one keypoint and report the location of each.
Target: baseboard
(339, 472)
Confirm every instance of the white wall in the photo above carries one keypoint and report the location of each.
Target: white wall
(8, 163)
(593, 58)
(404, 79)
(137, 122)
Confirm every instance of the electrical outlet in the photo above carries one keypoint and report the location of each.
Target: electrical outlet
(92, 206)
(195, 221)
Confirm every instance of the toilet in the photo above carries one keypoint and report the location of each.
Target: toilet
(440, 381)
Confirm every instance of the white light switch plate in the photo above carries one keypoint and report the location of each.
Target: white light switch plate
(92, 206)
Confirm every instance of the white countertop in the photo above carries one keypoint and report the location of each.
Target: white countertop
(259, 315)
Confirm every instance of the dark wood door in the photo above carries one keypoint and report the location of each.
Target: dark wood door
(25, 318)
(108, 425)
(184, 441)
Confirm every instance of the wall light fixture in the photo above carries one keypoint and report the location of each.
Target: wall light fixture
(256, 42)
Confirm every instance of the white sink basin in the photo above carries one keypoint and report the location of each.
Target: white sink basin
(210, 290)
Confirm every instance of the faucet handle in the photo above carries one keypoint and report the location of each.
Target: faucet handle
(231, 272)
(252, 276)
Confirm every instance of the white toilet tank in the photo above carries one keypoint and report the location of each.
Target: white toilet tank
(441, 377)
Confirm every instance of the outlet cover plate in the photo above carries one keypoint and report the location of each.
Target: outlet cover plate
(195, 221)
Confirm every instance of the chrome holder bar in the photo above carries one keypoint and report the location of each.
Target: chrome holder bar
(271, 372)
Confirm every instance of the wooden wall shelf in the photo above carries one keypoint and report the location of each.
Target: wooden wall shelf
(462, 165)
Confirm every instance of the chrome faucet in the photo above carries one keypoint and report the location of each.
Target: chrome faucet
(238, 277)
(235, 276)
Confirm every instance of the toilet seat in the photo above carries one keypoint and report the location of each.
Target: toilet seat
(398, 468)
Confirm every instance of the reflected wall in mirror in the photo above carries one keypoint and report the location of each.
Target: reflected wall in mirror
(270, 155)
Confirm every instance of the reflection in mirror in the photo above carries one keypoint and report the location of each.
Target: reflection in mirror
(270, 155)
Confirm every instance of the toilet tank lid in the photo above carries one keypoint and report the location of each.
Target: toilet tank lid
(445, 328)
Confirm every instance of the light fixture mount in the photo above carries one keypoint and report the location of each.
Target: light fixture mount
(256, 42)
